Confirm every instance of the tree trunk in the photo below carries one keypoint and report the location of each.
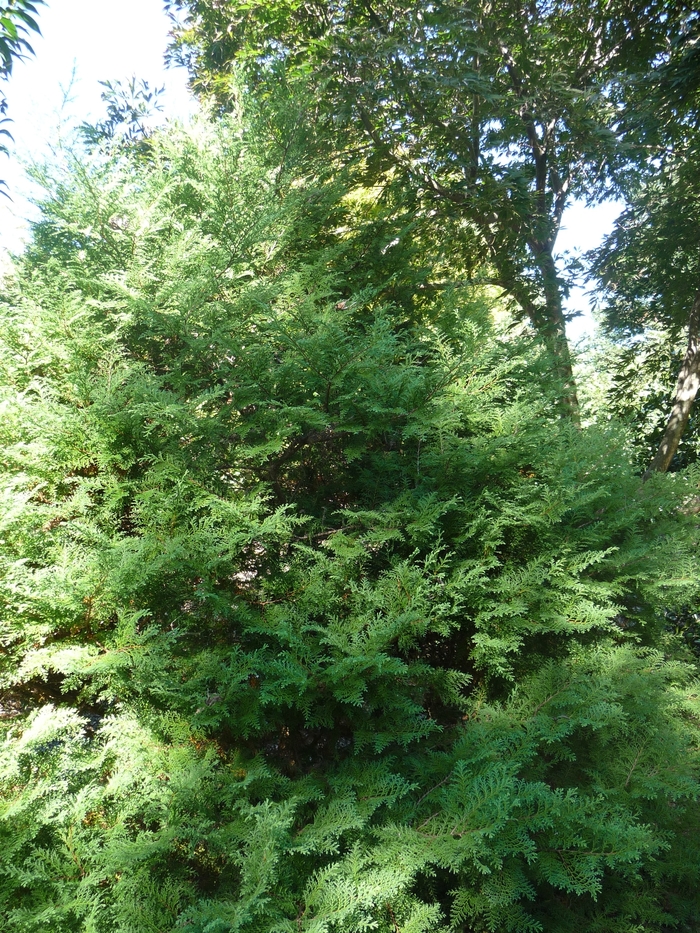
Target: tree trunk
(686, 390)
(554, 331)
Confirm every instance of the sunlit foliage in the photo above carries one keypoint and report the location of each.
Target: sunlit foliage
(314, 618)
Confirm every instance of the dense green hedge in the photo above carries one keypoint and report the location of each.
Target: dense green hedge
(314, 617)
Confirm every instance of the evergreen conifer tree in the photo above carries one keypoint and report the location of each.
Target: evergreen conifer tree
(314, 617)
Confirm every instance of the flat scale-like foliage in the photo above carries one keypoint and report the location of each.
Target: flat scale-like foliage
(313, 619)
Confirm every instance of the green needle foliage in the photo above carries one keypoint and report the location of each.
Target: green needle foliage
(314, 619)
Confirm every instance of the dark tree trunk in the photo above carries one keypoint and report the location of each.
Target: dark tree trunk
(686, 390)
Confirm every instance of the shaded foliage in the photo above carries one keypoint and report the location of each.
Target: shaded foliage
(649, 267)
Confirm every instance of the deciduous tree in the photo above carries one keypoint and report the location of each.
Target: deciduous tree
(498, 113)
(650, 265)
(17, 21)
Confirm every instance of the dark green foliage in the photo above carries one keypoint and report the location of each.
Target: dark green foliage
(313, 619)
(649, 265)
(649, 268)
(17, 21)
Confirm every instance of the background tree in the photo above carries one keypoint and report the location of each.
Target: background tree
(650, 265)
(497, 115)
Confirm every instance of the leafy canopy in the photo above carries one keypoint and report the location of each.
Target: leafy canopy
(497, 114)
